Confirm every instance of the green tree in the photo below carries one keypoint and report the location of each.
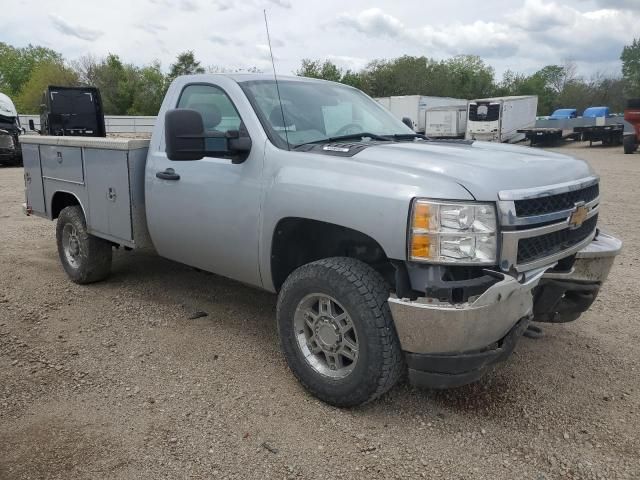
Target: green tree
(352, 78)
(468, 77)
(150, 88)
(113, 79)
(17, 65)
(44, 74)
(326, 70)
(631, 68)
(186, 64)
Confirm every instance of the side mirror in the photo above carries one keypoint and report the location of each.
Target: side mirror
(184, 134)
(186, 140)
(238, 144)
(407, 121)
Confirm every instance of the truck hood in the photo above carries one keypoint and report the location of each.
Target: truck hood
(483, 168)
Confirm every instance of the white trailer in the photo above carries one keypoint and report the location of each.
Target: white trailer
(499, 119)
(415, 106)
(446, 122)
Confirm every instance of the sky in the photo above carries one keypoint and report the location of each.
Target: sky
(520, 35)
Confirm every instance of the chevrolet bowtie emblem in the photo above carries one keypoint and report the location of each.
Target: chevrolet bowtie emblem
(578, 216)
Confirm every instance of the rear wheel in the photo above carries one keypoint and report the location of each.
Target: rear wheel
(85, 258)
(629, 144)
(337, 333)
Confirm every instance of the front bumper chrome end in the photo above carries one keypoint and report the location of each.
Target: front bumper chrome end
(593, 262)
(562, 296)
(432, 327)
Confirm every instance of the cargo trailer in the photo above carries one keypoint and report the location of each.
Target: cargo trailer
(414, 107)
(446, 122)
(499, 119)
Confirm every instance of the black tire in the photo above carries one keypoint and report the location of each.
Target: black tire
(629, 143)
(363, 293)
(92, 259)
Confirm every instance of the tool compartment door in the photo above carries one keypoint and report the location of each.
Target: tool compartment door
(107, 173)
(62, 163)
(33, 178)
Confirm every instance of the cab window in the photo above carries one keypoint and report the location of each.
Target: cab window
(216, 108)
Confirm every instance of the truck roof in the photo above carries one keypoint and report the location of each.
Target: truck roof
(252, 77)
(509, 97)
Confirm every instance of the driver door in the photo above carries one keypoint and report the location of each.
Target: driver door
(208, 216)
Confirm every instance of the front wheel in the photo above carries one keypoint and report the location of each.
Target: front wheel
(337, 333)
(85, 258)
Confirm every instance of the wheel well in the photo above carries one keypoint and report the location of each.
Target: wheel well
(61, 200)
(298, 241)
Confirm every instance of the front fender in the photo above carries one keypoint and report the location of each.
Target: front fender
(371, 199)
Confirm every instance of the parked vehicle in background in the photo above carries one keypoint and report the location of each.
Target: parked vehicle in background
(597, 125)
(414, 107)
(595, 112)
(608, 134)
(499, 119)
(602, 127)
(446, 122)
(71, 111)
(388, 251)
(563, 113)
(631, 138)
(10, 129)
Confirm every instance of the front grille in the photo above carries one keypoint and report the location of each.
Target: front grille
(554, 203)
(534, 248)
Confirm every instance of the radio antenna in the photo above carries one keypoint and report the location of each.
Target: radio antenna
(275, 77)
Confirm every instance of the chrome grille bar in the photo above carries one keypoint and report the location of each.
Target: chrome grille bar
(512, 230)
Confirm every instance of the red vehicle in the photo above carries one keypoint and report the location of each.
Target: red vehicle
(632, 115)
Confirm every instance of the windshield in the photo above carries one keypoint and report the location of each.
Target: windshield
(315, 111)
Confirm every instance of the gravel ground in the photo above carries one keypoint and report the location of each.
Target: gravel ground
(115, 381)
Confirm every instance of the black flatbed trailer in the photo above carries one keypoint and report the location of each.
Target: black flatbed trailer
(607, 134)
(546, 135)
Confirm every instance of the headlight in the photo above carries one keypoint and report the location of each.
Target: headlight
(448, 232)
(6, 141)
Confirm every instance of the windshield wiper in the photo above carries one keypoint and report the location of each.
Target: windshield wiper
(372, 136)
(407, 136)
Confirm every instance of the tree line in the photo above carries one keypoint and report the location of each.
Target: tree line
(469, 77)
(128, 89)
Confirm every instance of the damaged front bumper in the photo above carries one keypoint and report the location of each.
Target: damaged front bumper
(448, 345)
(452, 344)
(563, 295)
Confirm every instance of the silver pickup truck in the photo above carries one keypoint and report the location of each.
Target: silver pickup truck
(389, 252)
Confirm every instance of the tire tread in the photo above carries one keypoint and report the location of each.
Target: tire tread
(375, 292)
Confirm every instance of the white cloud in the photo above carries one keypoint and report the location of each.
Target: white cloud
(487, 39)
(223, 5)
(373, 21)
(152, 28)
(348, 63)
(539, 31)
(189, 5)
(282, 3)
(536, 16)
(619, 4)
(72, 30)
(522, 35)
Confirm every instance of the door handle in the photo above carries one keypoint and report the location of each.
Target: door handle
(168, 174)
